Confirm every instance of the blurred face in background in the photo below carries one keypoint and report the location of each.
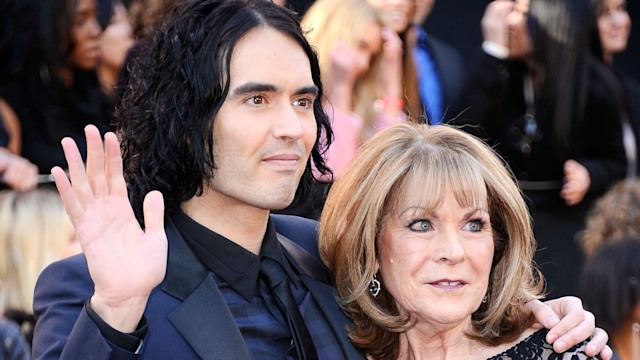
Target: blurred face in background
(117, 38)
(520, 42)
(614, 26)
(85, 35)
(368, 44)
(422, 11)
(396, 14)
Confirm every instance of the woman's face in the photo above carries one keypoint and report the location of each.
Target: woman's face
(85, 35)
(520, 43)
(368, 44)
(614, 26)
(436, 265)
(116, 39)
(397, 14)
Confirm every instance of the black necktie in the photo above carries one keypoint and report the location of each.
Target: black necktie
(276, 279)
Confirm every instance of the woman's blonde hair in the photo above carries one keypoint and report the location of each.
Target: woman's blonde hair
(34, 228)
(356, 210)
(329, 21)
(614, 216)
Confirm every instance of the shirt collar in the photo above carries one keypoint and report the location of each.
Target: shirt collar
(422, 35)
(231, 262)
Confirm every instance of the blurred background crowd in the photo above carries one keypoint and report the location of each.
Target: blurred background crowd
(553, 85)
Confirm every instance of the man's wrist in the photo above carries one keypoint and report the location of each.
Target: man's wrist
(123, 317)
(131, 342)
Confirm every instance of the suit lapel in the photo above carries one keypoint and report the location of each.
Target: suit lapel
(205, 322)
(203, 318)
(326, 301)
(315, 280)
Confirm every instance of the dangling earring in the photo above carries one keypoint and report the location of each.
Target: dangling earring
(484, 299)
(374, 287)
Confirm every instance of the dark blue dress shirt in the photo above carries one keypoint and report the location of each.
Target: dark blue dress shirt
(235, 271)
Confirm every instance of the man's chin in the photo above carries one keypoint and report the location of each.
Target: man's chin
(281, 205)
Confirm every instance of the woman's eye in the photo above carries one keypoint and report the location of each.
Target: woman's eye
(420, 225)
(475, 225)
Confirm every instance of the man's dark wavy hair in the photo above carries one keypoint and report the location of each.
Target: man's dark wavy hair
(178, 82)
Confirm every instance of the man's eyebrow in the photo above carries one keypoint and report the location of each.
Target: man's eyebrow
(313, 90)
(254, 87)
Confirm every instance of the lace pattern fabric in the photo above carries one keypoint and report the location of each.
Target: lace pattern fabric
(535, 347)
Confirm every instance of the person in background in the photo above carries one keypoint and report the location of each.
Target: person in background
(148, 15)
(614, 27)
(35, 231)
(614, 216)
(610, 278)
(432, 249)
(13, 345)
(539, 95)
(440, 68)
(16, 172)
(398, 16)
(48, 58)
(115, 42)
(610, 288)
(351, 39)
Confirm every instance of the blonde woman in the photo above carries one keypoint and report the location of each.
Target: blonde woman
(431, 245)
(35, 231)
(352, 44)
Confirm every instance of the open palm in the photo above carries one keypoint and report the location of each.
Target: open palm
(125, 261)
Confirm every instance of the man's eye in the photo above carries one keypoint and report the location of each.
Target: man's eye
(304, 102)
(256, 100)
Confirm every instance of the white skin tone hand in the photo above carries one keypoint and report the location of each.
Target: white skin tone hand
(346, 67)
(392, 67)
(576, 325)
(576, 182)
(392, 51)
(17, 172)
(495, 27)
(125, 261)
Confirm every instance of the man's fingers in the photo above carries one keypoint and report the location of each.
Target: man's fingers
(95, 161)
(543, 314)
(79, 183)
(153, 208)
(576, 326)
(69, 199)
(114, 172)
(597, 342)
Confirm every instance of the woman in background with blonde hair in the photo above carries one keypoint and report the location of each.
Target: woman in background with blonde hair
(35, 231)
(352, 44)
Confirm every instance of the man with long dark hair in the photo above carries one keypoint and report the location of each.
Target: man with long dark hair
(217, 125)
(220, 122)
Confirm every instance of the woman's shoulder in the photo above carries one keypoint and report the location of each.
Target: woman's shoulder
(535, 347)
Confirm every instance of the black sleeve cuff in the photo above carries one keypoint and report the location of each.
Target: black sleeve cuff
(127, 341)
